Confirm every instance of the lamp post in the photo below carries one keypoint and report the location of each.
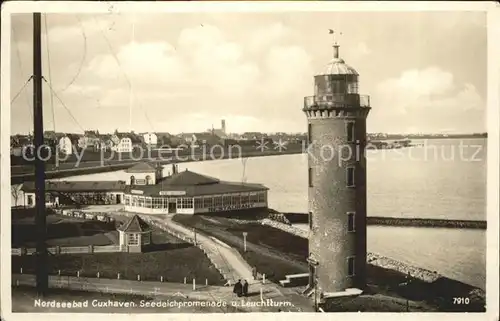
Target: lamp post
(315, 294)
(245, 241)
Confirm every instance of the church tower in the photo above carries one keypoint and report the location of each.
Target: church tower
(336, 117)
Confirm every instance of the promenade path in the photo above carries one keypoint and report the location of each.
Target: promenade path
(272, 298)
(222, 255)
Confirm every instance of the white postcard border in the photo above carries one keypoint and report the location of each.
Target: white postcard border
(123, 7)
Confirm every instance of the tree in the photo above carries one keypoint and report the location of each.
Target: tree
(16, 193)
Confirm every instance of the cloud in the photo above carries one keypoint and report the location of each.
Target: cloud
(84, 27)
(264, 37)
(289, 68)
(427, 100)
(358, 51)
(428, 89)
(202, 70)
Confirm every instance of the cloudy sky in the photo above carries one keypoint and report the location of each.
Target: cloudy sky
(425, 72)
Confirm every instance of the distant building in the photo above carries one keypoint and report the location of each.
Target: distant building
(220, 132)
(150, 139)
(207, 138)
(18, 143)
(253, 136)
(90, 140)
(124, 142)
(187, 138)
(106, 142)
(65, 145)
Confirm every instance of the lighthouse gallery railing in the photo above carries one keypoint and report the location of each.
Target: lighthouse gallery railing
(337, 100)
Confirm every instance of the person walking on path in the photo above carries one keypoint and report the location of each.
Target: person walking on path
(238, 288)
(245, 288)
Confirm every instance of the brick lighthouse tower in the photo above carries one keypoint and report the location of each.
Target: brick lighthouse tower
(336, 116)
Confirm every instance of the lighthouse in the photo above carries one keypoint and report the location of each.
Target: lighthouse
(336, 118)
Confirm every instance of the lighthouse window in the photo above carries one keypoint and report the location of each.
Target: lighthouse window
(352, 87)
(310, 220)
(350, 132)
(351, 225)
(350, 177)
(309, 135)
(310, 177)
(350, 266)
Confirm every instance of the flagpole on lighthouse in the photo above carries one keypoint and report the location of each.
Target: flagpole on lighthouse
(335, 44)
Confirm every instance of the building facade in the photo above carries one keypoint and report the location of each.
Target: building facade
(135, 235)
(336, 117)
(122, 144)
(147, 191)
(150, 139)
(75, 193)
(187, 192)
(65, 145)
(90, 140)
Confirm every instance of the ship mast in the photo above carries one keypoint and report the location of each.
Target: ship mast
(42, 278)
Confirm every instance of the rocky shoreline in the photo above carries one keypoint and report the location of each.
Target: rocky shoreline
(382, 261)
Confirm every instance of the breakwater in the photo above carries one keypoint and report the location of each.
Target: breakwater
(438, 284)
(372, 258)
(298, 218)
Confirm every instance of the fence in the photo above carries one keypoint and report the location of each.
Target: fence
(103, 285)
(69, 250)
(99, 216)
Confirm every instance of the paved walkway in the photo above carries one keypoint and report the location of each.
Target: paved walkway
(223, 256)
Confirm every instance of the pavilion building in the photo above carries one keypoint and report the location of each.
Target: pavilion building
(186, 192)
(147, 191)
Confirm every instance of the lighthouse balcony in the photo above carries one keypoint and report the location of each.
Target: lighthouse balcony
(336, 101)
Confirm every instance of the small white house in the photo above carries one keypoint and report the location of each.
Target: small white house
(65, 145)
(150, 139)
(123, 144)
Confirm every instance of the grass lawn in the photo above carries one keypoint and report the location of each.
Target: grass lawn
(173, 262)
(278, 253)
(61, 230)
(168, 256)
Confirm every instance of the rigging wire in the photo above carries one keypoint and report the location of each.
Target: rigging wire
(123, 71)
(21, 69)
(64, 105)
(50, 77)
(21, 90)
(84, 56)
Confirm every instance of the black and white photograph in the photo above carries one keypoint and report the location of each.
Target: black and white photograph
(234, 157)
